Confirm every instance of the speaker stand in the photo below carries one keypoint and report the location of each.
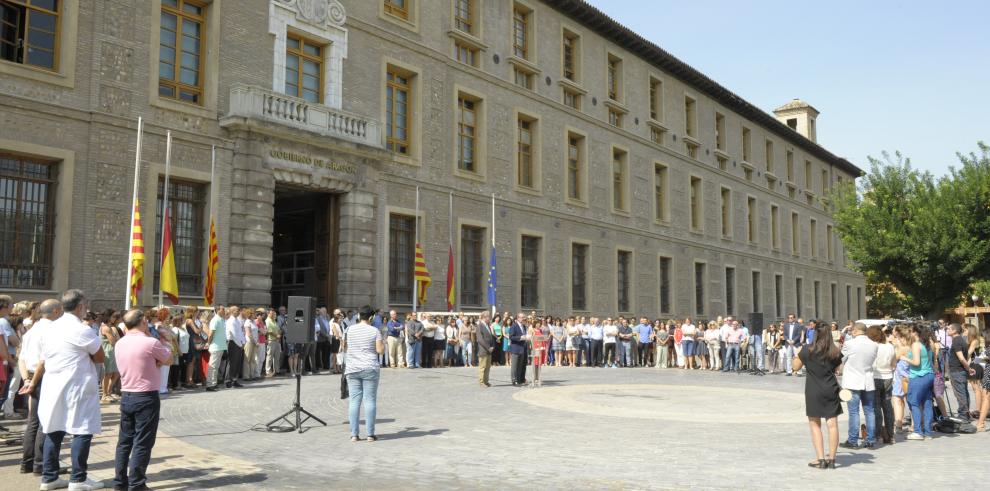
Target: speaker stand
(297, 410)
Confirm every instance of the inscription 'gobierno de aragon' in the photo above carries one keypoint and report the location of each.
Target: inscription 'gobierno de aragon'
(312, 161)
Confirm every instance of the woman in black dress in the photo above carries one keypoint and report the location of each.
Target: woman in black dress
(821, 392)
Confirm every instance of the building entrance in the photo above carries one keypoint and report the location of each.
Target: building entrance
(304, 249)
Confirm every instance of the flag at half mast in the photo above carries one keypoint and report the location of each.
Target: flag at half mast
(169, 283)
(137, 256)
(211, 267)
(421, 275)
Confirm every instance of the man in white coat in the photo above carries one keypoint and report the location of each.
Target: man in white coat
(70, 397)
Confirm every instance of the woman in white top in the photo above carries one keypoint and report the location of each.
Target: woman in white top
(573, 342)
(687, 343)
(439, 343)
(712, 342)
(883, 378)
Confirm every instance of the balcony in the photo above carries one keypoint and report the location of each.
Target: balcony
(250, 105)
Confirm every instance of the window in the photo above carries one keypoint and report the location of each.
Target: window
(397, 8)
(579, 277)
(29, 32)
(520, 31)
(730, 291)
(726, 202)
(656, 99)
(619, 180)
(180, 53)
(829, 244)
(778, 287)
(824, 182)
(522, 78)
(665, 285)
(397, 109)
(696, 204)
(572, 99)
(185, 203)
(660, 192)
(747, 155)
(529, 281)
(751, 219)
(859, 302)
(789, 157)
(27, 222)
(755, 285)
(622, 277)
(657, 135)
(614, 82)
(797, 295)
(720, 132)
(401, 258)
(464, 15)
(472, 271)
(467, 141)
(775, 226)
(691, 149)
(614, 118)
(690, 117)
(722, 162)
(699, 288)
(304, 68)
(769, 157)
(795, 237)
(848, 302)
(575, 166)
(813, 237)
(807, 175)
(792, 123)
(835, 313)
(525, 172)
(571, 55)
(818, 287)
(466, 54)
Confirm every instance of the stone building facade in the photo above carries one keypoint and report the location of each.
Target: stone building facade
(624, 180)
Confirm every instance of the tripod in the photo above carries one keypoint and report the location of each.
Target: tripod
(298, 410)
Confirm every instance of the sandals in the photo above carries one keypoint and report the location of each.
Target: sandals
(818, 464)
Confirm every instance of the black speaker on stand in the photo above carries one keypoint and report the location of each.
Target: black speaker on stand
(298, 330)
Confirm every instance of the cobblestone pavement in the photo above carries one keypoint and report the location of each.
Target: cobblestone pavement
(584, 429)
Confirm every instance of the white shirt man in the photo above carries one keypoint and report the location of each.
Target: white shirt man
(235, 330)
(858, 356)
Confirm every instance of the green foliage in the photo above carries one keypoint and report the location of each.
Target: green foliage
(928, 238)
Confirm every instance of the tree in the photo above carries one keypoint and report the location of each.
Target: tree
(927, 237)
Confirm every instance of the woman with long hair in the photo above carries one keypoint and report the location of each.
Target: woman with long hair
(194, 343)
(883, 380)
(109, 337)
(973, 353)
(688, 332)
(821, 393)
(902, 343)
(558, 341)
(538, 350)
(921, 380)
(573, 342)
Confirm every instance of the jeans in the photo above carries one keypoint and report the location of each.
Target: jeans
(789, 350)
(34, 439)
(883, 408)
(627, 354)
(413, 351)
(138, 429)
(518, 368)
(363, 388)
(919, 397)
(609, 353)
(80, 456)
(235, 361)
(867, 397)
(961, 390)
(213, 368)
(620, 347)
(731, 357)
(756, 346)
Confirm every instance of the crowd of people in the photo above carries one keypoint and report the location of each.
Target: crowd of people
(131, 358)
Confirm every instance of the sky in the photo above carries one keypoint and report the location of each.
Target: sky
(908, 76)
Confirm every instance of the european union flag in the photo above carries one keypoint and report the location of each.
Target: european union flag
(492, 279)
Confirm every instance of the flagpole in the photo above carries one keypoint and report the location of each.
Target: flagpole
(161, 242)
(130, 247)
(450, 246)
(416, 240)
(493, 245)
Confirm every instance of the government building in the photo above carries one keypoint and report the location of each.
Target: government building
(624, 180)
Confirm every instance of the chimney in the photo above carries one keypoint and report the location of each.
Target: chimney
(800, 117)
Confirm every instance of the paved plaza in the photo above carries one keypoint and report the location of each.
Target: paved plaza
(584, 429)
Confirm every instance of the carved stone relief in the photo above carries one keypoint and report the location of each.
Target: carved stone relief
(115, 100)
(116, 63)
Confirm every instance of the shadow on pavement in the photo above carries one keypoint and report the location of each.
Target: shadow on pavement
(412, 432)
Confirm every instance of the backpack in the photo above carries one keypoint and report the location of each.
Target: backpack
(952, 425)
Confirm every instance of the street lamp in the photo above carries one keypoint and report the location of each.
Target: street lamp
(975, 299)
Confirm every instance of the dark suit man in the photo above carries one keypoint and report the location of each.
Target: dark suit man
(793, 338)
(486, 344)
(517, 348)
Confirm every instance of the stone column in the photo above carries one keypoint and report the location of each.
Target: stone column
(356, 252)
(252, 210)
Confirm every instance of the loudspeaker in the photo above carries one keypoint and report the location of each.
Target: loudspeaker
(299, 324)
(755, 323)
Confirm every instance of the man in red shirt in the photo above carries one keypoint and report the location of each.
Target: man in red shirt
(139, 357)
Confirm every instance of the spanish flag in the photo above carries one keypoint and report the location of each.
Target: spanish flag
(450, 279)
(212, 266)
(421, 275)
(137, 256)
(169, 284)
